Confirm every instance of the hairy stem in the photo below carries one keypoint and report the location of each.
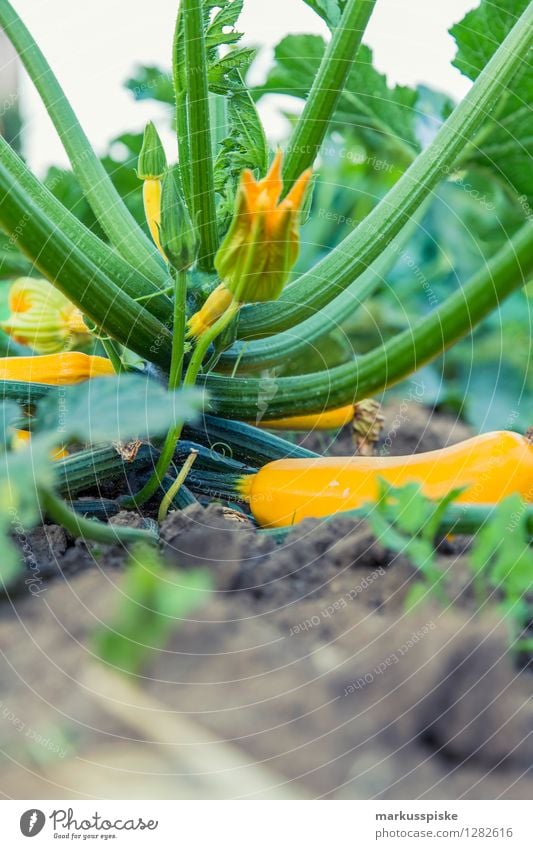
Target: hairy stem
(312, 125)
(396, 359)
(175, 488)
(123, 273)
(283, 347)
(178, 331)
(107, 205)
(78, 526)
(199, 133)
(83, 281)
(169, 446)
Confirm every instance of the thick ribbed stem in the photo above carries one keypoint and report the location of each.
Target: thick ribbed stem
(107, 205)
(312, 125)
(199, 133)
(357, 251)
(402, 355)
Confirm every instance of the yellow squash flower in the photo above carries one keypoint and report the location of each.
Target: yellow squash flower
(215, 306)
(263, 241)
(261, 246)
(55, 369)
(43, 318)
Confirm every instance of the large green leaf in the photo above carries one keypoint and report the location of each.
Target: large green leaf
(367, 103)
(506, 143)
(113, 409)
(150, 82)
(154, 600)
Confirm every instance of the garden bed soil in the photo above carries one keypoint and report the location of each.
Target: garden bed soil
(302, 676)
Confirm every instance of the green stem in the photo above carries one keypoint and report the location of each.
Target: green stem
(175, 488)
(357, 251)
(178, 331)
(78, 526)
(108, 206)
(183, 146)
(396, 359)
(84, 282)
(125, 275)
(169, 446)
(179, 77)
(199, 126)
(457, 519)
(312, 125)
(113, 352)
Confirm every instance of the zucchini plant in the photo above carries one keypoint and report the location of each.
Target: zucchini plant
(210, 293)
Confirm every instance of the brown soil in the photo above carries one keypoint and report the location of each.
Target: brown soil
(302, 677)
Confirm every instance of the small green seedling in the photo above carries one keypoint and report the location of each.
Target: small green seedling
(154, 601)
(406, 521)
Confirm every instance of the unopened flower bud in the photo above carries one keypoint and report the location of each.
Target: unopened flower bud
(178, 235)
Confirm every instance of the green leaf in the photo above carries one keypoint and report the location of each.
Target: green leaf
(367, 103)
(244, 147)
(154, 598)
(9, 413)
(329, 10)
(406, 521)
(10, 564)
(225, 73)
(417, 593)
(115, 409)
(217, 29)
(21, 474)
(501, 555)
(506, 142)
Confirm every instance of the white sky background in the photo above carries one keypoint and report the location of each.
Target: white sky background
(93, 47)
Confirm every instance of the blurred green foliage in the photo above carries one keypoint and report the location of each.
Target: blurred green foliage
(154, 599)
